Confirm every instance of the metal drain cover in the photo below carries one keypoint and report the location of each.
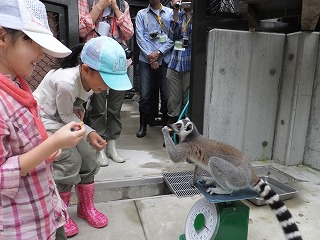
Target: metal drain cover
(179, 183)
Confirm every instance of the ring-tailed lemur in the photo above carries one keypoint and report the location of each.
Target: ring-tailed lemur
(230, 169)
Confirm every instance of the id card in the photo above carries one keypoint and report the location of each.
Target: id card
(163, 38)
(178, 46)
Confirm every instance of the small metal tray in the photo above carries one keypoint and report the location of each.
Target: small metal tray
(284, 191)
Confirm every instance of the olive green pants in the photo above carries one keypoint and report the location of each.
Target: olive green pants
(76, 165)
(106, 120)
(178, 89)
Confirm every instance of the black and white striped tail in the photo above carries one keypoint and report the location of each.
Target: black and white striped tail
(285, 219)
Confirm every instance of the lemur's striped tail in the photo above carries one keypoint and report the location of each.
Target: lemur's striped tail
(285, 219)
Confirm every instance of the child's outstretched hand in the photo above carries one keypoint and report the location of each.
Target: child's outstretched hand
(69, 135)
(96, 141)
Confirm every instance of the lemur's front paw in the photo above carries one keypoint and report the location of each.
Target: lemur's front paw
(165, 129)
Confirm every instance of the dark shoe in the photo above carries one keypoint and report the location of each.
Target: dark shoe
(172, 120)
(142, 132)
(143, 125)
(155, 122)
(164, 119)
(129, 93)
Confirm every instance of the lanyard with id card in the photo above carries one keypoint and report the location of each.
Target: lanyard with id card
(162, 37)
(180, 45)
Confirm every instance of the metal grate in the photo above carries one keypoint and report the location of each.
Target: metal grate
(179, 183)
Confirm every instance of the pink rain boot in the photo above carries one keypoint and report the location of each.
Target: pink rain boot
(86, 209)
(70, 228)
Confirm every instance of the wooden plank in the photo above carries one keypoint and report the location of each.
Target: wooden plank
(247, 12)
(269, 9)
(252, 1)
(310, 14)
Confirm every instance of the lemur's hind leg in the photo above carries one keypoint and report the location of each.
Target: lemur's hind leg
(198, 171)
(218, 190)
(229, 177)
(208, 181)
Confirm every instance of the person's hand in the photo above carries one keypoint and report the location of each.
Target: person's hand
(155, 65)
(173, 3)
(103, 4)
(96, 141)
(79, 113)
(114, 5)
(152, 57)
(69, 135)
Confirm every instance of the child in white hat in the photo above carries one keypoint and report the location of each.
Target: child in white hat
(101, 65)
(30, 204)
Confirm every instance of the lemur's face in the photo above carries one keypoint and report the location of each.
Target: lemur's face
(182, 127)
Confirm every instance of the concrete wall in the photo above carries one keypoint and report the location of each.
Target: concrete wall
(298, 77)
(259, 92)
(243, 73)
(312, 150)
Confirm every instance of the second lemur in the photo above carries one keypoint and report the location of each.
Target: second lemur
(229, 168)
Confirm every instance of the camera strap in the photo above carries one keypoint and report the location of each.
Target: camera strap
(185, 23)
(158, 18)
(113, 23)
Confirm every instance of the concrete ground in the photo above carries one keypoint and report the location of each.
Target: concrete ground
(131, 194)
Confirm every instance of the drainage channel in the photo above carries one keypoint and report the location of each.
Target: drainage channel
(131, 188)
(177, 183)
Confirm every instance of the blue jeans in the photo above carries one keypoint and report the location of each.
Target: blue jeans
(152, 81)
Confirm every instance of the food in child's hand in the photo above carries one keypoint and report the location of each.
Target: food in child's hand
(79, 127)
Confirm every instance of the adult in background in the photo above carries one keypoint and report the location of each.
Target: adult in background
(152, 25)
(106, 18)
(178, 73)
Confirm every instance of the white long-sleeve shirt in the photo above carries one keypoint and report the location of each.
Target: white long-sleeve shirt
(58, 94)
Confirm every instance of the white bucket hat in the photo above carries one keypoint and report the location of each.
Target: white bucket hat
(30, 17)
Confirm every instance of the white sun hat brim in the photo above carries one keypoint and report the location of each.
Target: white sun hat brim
(30, 17)
(49, 43)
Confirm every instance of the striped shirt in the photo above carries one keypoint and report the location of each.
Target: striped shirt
(30, 207)
(181, 60)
